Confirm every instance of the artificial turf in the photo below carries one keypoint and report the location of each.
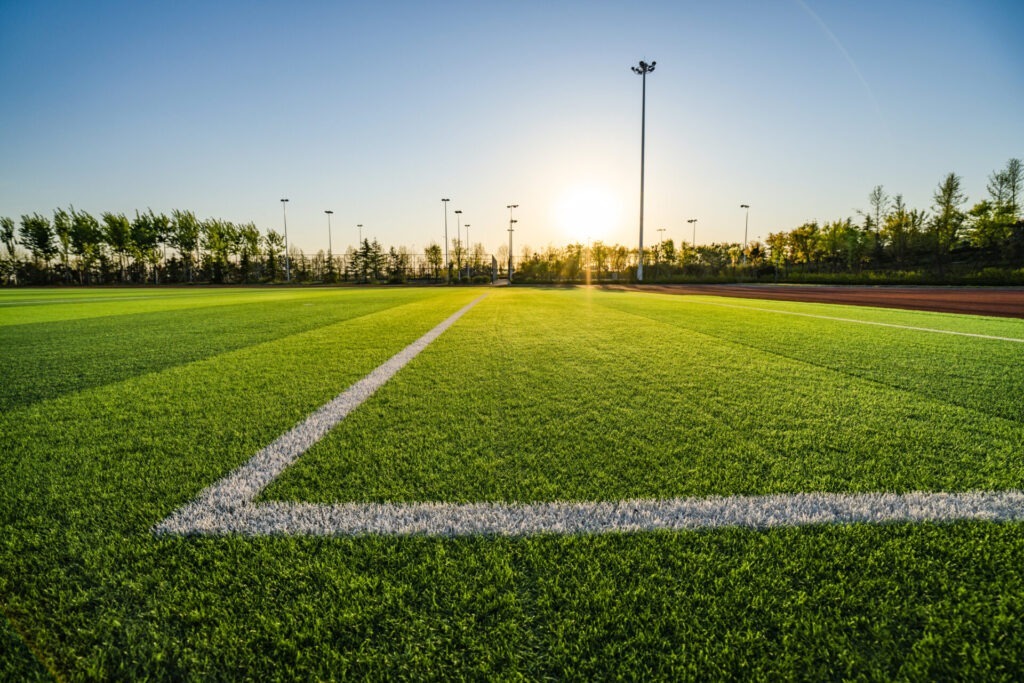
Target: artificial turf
(89, 592)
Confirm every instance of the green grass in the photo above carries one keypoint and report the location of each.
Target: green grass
(660, 397)
(533, 395)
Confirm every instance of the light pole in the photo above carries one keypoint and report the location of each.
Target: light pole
(511, 222)
(642, 70)
(458, 236)
(693, 222)
(447, 263)
(467, 252)
(746, 224)
(330, 258)
(287, 264)
(360, 227)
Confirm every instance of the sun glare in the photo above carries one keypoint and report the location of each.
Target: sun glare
(586, 213)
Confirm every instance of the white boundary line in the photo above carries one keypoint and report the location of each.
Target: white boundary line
(861, 322)
(512, 519)
(228, 507)
(238, 490)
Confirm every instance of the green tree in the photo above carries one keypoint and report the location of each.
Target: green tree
(804, 242)
(217, 239)
(879, 202)
(184, 237)
(249, 239)
(117, 231)
(7, 236)
(86, 242)
(435, 259)
(145, 238)
(947, 218)
(62, 229)
(274, 244)
(37, 236)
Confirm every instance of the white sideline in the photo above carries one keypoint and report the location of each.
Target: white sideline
(861, 322)
(228, 507)
(511, 519)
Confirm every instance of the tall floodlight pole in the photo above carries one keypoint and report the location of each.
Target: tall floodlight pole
(458, 236)
(642, 70)
(511, 222)
(329, 245)
(693, 242)
(287, 265)
(447, 263)
(467, 251)
(746, 224)
(360, 227)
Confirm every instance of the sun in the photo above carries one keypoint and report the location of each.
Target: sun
(586, 213)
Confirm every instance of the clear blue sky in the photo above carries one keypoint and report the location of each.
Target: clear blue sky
(376, 110)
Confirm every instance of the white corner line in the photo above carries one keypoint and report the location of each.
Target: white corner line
(238, 490)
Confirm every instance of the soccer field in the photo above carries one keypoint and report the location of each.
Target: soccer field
(561, 483)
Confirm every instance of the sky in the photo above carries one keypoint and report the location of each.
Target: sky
(377, 110)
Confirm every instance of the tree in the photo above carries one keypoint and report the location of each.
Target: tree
(217, 239)
(435, 259)
(249, 239)
(10, 264)
(145, 236)
(805, 243)
(184, 238)
(62, 229)
(599, 255)
(37, 236)
(1005, 189)
(274, 243)
(879, 201)
(117, 232)
(898, 230)
(947, 219)
(86, 242)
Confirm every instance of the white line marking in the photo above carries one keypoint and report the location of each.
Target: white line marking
(240, 488)
(862, 322)
(228, 507)
(510, 519)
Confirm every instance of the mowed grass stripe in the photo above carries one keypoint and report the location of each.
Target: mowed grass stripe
(543, 396)
(67, 304)
(123, 456)
(985, 375)
(44, 360)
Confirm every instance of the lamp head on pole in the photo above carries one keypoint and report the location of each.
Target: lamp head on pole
(644, 68)
(744, 206)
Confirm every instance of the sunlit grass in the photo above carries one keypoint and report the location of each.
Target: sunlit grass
(533, 395)
(584, 396)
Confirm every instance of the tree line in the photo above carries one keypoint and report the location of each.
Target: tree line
(75, 247)
(887, 241)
